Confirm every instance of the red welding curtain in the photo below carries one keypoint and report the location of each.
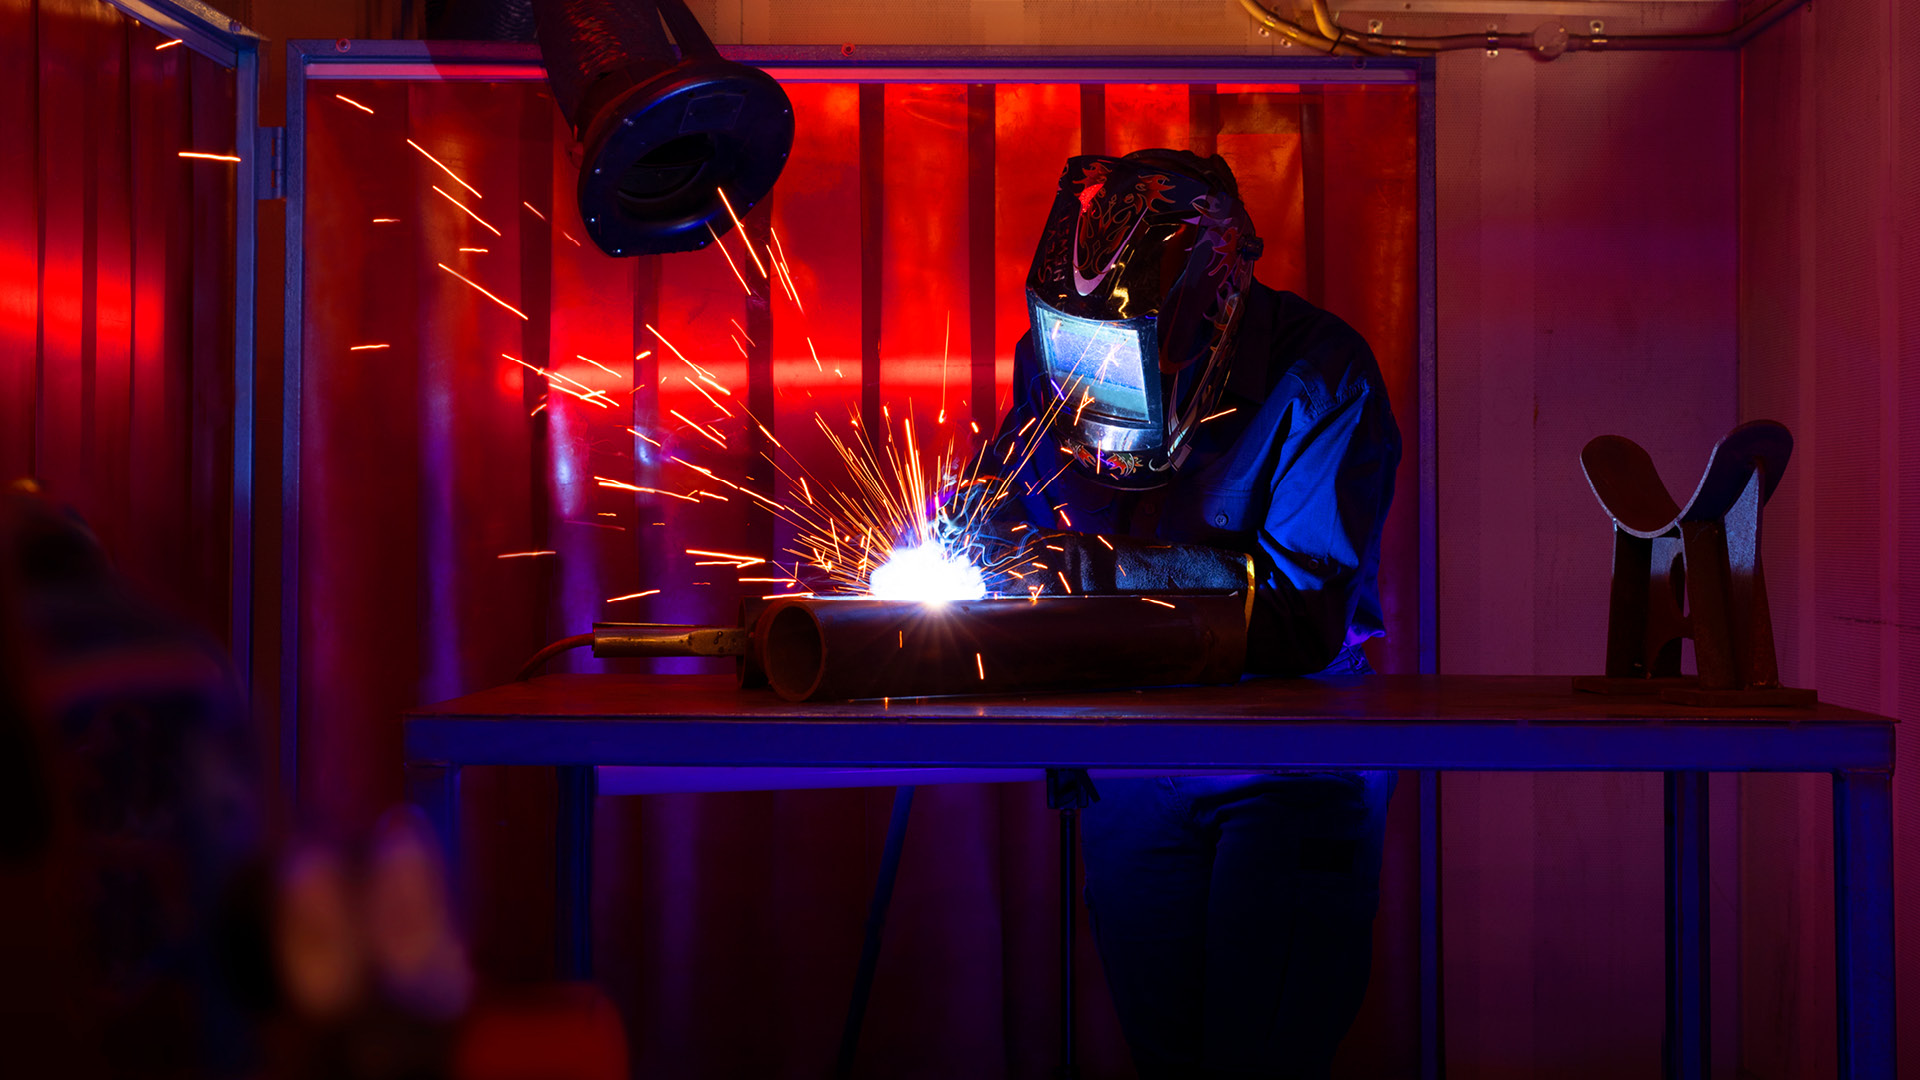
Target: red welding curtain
(116, 297)
(456, 513)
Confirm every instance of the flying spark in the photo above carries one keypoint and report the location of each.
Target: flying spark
(444, 169)
(703, 393)
(201, 155)
(523, 554)
(632, 596)
(466, 210)
(483, 292)
(599, 365)
(624, 486)
(709, 434)
(748, 560)
(721, 244)
(354, 103)
(596, 397)
(728, 203)
(946, 351)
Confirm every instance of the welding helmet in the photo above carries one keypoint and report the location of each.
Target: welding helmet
(1134, 297)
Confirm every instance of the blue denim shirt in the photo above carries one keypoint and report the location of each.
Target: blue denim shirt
(1299, 475)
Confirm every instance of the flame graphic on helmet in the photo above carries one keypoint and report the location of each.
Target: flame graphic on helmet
(1106, 225)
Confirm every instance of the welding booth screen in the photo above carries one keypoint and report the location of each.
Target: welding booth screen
(483, 388)
(117, 190)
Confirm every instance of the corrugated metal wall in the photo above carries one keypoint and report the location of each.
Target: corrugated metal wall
(1829, 328)
(116, 271)
(1587, 263)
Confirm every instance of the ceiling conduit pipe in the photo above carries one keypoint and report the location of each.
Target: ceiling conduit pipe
(1546, 42)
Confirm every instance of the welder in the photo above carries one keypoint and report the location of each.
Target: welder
(1186, 411)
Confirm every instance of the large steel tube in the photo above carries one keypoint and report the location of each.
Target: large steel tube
(832, 649)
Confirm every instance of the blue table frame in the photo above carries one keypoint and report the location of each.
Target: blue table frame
(579, 722)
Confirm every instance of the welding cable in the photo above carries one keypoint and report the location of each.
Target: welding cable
(1328, 36)
(1323, 21)
(539, 659)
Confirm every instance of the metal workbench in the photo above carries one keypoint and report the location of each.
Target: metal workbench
(647, 724)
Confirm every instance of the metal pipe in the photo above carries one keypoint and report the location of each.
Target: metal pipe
(1331, 37)
(831, 649)
(1296, 32)
(1323, 21)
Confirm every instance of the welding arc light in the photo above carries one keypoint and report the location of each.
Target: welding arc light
(662, 131)
(927, 573)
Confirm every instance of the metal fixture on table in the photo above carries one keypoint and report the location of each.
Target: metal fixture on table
(1692, 572)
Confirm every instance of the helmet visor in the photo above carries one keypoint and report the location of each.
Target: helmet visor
(1108, 368)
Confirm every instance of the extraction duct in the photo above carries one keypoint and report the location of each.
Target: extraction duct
(664, 125)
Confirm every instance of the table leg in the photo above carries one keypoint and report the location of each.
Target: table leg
(433, 788)
(876, 920)
(1433, 1036)
(1069, 845)
(1068, 791)
(1687, 1050)
(573, 873)
(1863, 922)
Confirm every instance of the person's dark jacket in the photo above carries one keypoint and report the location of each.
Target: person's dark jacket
(1299, 475)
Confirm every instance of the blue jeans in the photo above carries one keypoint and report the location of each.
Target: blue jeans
(1234, 916)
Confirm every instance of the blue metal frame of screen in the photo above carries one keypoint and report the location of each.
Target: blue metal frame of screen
(227, 43)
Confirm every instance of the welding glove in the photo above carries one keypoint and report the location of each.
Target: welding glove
(1076, 563)
(964, 525)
